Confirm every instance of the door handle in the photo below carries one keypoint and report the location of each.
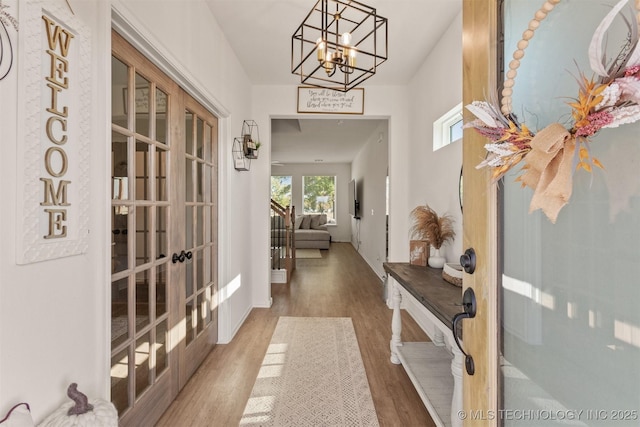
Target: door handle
(469, 304)
(175, 258)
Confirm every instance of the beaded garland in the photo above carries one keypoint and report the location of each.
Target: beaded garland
(507, 90)
(550, 155)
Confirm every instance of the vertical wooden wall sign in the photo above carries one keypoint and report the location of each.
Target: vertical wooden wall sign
(54, 132)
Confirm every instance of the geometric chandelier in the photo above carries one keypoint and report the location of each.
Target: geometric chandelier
(339, 45)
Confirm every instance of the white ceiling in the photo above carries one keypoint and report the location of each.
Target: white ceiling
(319, 140)
(259, 32)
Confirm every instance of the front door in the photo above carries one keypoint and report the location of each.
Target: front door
(164, 227)
(557, 317)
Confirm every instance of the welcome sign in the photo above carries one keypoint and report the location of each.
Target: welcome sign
(53, 139)
(56, 124)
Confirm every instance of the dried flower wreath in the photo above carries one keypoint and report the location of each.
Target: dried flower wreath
(551, 155)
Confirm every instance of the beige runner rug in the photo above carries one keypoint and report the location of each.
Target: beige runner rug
(312, 375)
(308, 253)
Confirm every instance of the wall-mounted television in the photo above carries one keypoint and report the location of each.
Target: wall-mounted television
(354, 204)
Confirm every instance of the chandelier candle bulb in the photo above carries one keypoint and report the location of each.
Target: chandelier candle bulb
(328, 64)
(322, 47)
(346, 39)
(351, 60)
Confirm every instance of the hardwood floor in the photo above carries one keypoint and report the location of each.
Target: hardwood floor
(341, 284)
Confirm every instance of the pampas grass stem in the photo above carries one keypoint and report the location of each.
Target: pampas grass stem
(427, 225)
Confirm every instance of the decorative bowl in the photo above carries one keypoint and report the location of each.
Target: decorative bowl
(452, 273)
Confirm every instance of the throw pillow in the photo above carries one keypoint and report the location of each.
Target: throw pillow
(18, 416)
(323, 219)
(315, 222)
(298, 222)
(306, 222)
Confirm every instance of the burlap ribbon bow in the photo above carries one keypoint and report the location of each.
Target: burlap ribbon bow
(548, 170)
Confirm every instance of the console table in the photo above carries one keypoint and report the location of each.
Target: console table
(435, 367)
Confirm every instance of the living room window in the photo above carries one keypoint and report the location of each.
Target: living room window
(281, 189)
(319, 196)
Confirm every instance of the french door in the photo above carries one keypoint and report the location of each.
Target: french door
(164, 246)
(556, 337)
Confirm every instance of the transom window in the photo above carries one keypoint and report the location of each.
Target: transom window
(448, 128)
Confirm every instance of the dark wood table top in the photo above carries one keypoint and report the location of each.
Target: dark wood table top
(429, 288)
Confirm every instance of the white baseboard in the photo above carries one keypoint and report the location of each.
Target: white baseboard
(224, 338)
(381, 274)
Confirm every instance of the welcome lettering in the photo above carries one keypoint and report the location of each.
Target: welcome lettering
(56, 161)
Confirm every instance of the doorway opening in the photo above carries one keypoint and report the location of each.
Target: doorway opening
(309, 154)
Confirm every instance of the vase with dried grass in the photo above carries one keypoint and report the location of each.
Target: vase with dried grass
(436, 229)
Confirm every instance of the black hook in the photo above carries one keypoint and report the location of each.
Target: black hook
(469, 304)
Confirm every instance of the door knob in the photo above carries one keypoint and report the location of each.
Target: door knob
(469, 307)
(468, 260)
(175, 258)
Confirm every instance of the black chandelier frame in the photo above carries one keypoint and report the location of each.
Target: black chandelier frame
(319, 54)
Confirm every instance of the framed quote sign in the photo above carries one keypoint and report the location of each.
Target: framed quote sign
(328, 101)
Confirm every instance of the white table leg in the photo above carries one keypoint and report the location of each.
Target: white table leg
(396, 322)
(456, 369)
(438, 338)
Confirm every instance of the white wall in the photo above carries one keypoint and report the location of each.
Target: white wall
(434, 176)
(342, 171)
(369, 169)
(54, 315)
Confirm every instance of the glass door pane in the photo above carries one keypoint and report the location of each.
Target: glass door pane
(570, 326)
(199, 226)
(193, 222)
(141, 233)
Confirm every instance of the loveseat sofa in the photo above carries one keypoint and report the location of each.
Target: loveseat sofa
(311, 232)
